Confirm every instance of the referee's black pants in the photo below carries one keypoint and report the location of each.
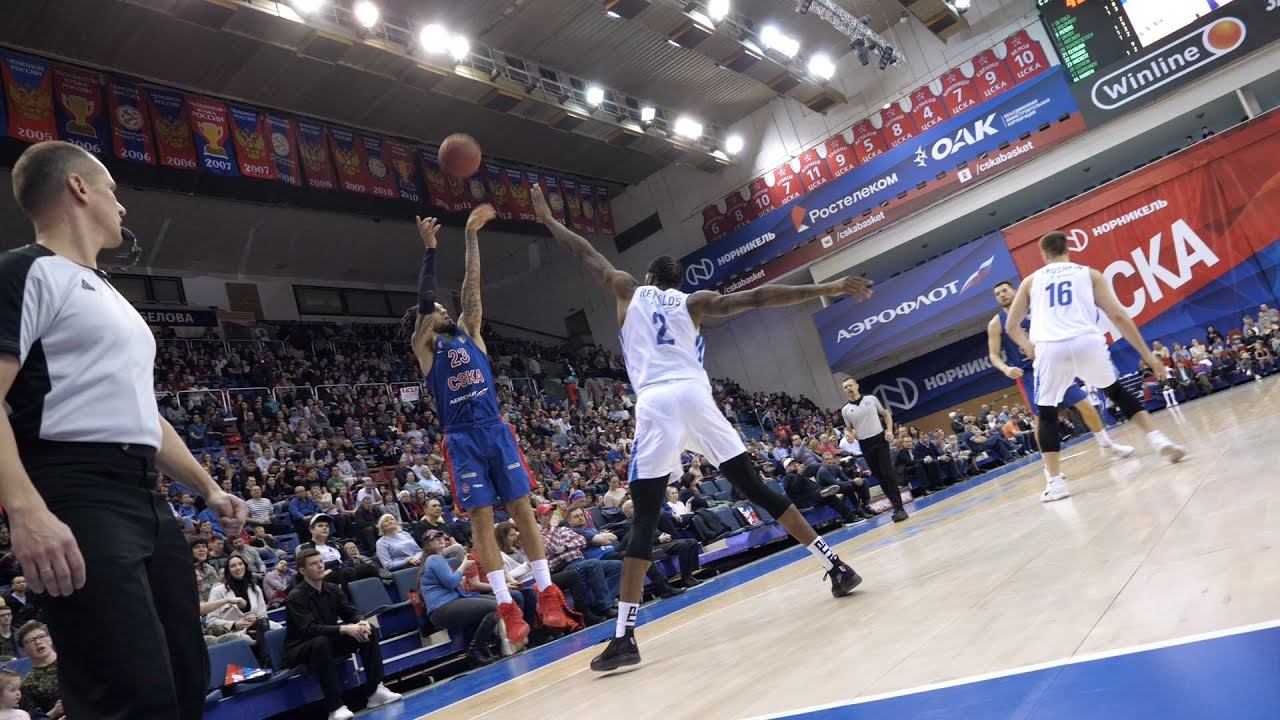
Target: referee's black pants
(875, 450)
(129, 642)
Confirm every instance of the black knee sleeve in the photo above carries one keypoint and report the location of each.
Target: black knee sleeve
(646, 500)
(1127, 403)
(743, 475)
(1047, 431)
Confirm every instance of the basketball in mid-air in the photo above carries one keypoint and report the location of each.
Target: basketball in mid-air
(460, 155)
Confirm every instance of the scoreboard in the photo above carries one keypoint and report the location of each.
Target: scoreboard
(1091, 34)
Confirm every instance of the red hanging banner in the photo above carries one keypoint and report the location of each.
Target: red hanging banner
(28, 90)
(130, 131)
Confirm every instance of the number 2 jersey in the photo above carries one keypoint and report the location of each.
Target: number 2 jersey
(1062, 305)
(461, 382)
(660, 343)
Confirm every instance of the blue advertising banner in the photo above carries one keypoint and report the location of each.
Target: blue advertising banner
(983, 129)
(948, 290)
(939, 380)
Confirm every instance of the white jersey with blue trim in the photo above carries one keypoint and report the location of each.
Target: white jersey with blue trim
(1062, 305)
(660, 342)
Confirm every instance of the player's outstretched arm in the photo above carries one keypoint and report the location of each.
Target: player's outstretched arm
(1106, 301)
(621, 284)
(423, 330)
(1018, 311)
(994, 331)
(707, 303)
(472, 311)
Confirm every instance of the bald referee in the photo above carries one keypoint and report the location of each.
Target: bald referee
(862, 416)
(79, 454)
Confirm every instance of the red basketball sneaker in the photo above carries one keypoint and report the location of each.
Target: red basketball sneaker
(517, 629)
(554, 611)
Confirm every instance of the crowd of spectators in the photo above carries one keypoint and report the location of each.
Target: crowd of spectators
(1201, 366)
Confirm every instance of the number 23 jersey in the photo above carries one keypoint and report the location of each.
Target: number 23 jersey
(660, 343)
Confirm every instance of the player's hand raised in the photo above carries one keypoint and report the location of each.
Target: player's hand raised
(481, 216)
(540, 207)
(427, 229)
(855, 286)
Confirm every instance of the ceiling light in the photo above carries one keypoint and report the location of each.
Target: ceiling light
(611, 15)
(459, 47)
(595, 95)
(434, 38)
(308, 6)
(687, 127)
(366, 13)
(775, 39)
(864, 52)
(700, 18)
(821, 66)
(961, 6)
(886, 57)
(718, 9)
(647, 114)
(733, 144)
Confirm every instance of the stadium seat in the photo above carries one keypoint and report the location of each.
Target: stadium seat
(597, 516)
(236, 652)
(369, 596)
(21, 665)
(406, 579)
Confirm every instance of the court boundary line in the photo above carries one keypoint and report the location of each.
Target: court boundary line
(1035, 667)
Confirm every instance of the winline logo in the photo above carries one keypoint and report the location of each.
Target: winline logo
(1189, 52)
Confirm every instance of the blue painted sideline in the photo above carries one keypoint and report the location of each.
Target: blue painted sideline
(457, 689)
(1230, 674)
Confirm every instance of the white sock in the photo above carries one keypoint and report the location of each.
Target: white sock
(627, 613)
(498, 579)
(1104, 440)
(541, 574)
(823, 552)
(1157, 439)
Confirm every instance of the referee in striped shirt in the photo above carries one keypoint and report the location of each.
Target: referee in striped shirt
(79, 453)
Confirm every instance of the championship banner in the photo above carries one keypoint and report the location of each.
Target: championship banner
(1212, 42)
(349, 158)
(587, 201)
(171, 119)
(989, 139)
(313, 148)
(939, 380)
(130, 131)
(949, 290)
(399, 158)
(213, 139)
(439, 192)
(471, 192)
(81, 108)
(555, 196)
(249, 129)
(1186, 242)
(499, 191)
(521, 204)
(605, 206)
(382, 182)
(28, 91)
(570, 190)
(284, 150)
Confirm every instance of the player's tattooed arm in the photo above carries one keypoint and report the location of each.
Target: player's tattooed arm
(621, 284)
(707, 303)
(472, 314)
(1013, 321)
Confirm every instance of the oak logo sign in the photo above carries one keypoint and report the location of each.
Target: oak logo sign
(1193, 50)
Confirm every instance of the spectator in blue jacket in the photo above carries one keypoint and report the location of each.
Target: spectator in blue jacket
(448, 607)
(301, 508)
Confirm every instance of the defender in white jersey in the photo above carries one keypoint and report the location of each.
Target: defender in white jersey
(675, 409)
(1067, 302)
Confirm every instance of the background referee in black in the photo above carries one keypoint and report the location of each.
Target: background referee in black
(862, 417)
(79, 454)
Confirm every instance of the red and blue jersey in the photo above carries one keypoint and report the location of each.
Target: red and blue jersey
(461, 381)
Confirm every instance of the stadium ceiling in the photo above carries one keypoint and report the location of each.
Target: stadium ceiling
(325, 66)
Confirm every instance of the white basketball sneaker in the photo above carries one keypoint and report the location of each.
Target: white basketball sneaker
(1055, 489)
(382, 696)
(1166, 447)
(341, 713)
(1118, 450)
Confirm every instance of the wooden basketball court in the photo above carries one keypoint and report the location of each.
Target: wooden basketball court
(980, 583)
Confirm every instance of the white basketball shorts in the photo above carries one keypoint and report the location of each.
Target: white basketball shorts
(1060, 362)
(675, 416)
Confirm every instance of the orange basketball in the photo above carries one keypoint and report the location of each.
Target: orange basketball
(460, 155)
(1224, 35)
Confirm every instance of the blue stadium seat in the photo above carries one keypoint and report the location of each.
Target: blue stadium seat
(722, 485)
(406, 580)
(597, 516)
(236, 652)
(21, 665)
(370, 597)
